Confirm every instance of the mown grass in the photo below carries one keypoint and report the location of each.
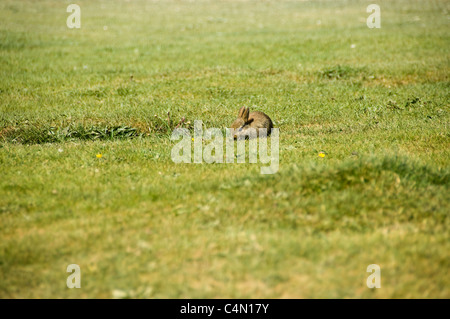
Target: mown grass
(375, 101)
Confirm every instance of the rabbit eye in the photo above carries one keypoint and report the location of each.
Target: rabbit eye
(240, 129)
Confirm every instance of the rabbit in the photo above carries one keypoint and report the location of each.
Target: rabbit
(247, 121)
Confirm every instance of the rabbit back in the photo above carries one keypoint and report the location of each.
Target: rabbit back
(259, 120)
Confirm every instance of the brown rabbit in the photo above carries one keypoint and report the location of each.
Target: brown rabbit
(246, 121)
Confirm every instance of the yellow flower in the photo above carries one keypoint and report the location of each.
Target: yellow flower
(192, 139)
(321, 154)
(99, 155)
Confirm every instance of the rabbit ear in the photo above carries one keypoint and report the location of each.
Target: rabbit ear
(241, 111)
(245, 114)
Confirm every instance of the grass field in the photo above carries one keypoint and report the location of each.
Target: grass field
(374, 101)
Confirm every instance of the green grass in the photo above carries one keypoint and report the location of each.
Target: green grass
(141, 226)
